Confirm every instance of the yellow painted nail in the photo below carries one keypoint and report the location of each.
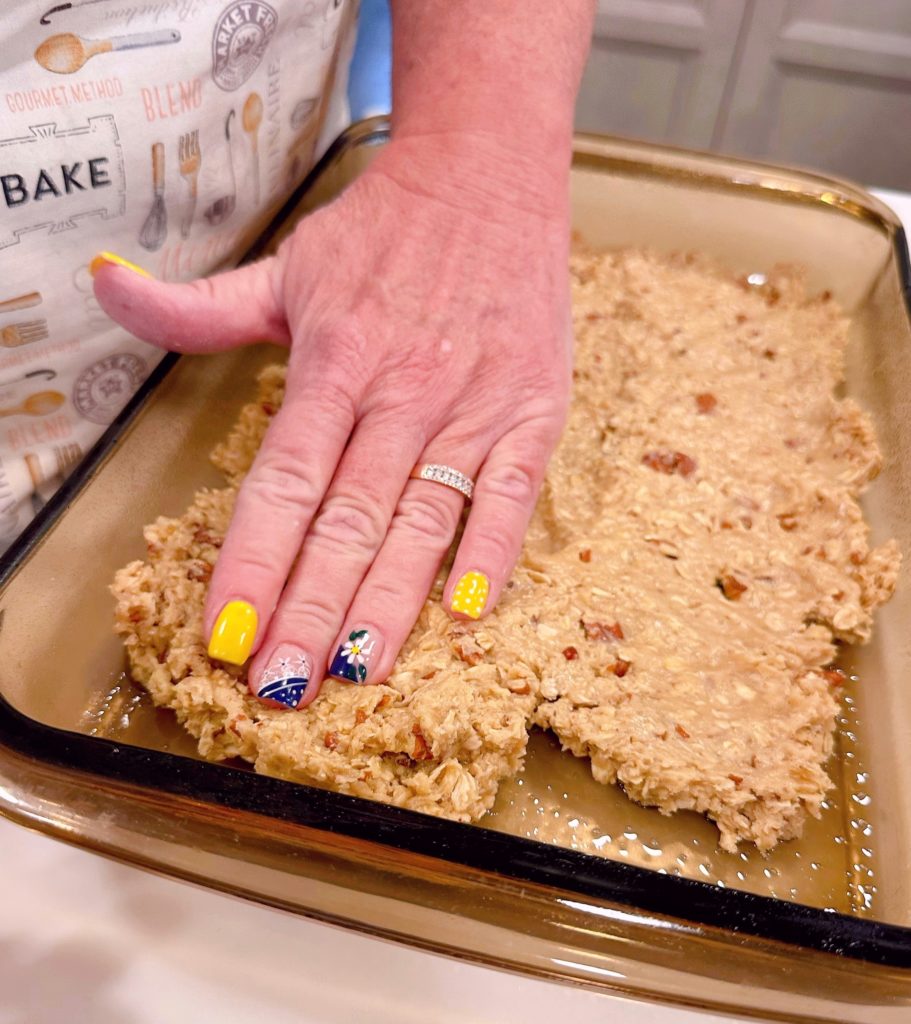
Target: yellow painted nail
(470, 594)
(234, 632)
(110, 259)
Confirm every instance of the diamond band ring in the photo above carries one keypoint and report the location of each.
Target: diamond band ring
(445, 475)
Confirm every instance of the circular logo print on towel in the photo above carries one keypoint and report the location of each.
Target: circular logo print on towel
(102, 390)
(241, 36)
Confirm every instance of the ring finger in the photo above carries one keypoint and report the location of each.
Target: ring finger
(393, 592)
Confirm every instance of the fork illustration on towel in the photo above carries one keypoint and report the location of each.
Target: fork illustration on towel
(190, 160)
(23, 333)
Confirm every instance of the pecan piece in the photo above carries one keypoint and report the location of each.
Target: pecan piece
(736, 779)
(603, 630)
(681, 732)
(330, 740)
(199, 571)
(422, 751)
(360, 716)
(706, 402)
(204, 536)
(570, 653)
(670, 462)
(834, 676)
(620, 667)
(585, 555)
(787, 521)
(730, 586)
(465, 647)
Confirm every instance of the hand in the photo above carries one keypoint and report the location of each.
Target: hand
(427, 312)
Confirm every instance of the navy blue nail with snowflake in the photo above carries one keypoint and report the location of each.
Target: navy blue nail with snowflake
(352, 659)
(285, 678)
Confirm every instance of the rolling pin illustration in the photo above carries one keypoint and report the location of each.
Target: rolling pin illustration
(20, 302)
(155, 229)
(66, 53)
(42, 403)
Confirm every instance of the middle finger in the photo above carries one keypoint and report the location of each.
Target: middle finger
(337, 552)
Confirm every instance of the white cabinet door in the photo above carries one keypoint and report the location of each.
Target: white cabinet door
(826, 84)
(658, 68)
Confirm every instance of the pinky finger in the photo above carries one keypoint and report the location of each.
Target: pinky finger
(504, 499)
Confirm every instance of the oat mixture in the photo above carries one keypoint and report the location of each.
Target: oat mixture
(696, 553)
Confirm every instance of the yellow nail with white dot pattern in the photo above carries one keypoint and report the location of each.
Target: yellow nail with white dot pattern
(470, 594)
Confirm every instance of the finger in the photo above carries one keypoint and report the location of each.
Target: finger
(337, 552)
(392, 594)
(275, 505)
(504, 499)
(207, 315)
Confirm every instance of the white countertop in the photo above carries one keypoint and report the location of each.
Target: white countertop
(85, 939)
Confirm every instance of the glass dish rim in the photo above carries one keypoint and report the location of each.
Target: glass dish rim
(471, 846)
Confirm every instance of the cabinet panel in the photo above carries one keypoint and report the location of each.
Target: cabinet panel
(658, 68)
(826, 83)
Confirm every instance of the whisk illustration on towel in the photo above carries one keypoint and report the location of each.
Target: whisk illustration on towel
(155, 229)
(223, 207)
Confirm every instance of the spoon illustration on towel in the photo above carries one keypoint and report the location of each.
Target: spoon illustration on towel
(39, 404)
(66, 53)
(251, 117)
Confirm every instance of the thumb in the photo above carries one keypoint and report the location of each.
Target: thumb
(207, 315)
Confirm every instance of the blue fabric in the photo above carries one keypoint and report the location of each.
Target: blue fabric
(370, 80)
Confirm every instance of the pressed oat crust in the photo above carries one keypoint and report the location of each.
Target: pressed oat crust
(696, 552)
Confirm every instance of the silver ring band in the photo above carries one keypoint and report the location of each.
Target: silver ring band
(445, 475)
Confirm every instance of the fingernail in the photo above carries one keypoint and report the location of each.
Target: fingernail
(354, 657)
(285, 677)
(234, 632)
(111, 259)
(470, 594)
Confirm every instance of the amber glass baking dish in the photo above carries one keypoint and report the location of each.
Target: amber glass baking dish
(565, 878)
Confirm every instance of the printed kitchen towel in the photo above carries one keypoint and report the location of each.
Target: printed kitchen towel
(166, 131)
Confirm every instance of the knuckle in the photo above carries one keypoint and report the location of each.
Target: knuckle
(306, 618)
(346, 522)
(495, 545)
(282, 478)
(386, 592)
(342, 335)
(517, 484)
(431, 515)
(256, 566)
